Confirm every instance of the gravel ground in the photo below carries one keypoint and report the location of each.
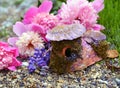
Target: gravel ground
(95, 76)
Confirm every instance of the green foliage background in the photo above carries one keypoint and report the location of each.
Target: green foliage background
(110, 18)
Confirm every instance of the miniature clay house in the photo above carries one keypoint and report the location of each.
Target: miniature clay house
(71, 47)
(66, 46)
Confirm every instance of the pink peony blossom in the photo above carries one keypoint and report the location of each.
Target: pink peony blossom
(39, 19)
(87, 15)
(19, 28)
(27, 40)
(8, 57)
(43, 22)
(80, 10)
(45, 7)
(70, 10)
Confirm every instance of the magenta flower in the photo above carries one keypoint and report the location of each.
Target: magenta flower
(43, 22)
(83, 11)
(8, 57)
(45, 7)
(40, 19)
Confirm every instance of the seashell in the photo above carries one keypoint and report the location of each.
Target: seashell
(95, 35)
(66, 32)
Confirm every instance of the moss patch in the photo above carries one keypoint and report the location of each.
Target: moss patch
(101, 48)
(58, 61)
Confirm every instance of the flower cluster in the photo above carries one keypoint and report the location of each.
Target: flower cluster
(39, 27)
(38, 21)
(84, 12)
(32, 30)
(8, 57)
(40, 58)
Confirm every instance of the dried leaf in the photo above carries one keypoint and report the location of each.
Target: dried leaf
(112, 53)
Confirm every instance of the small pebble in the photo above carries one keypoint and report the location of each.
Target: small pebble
(117, 81)
(25, 64)
(21, 84)
(96, 75)
(59, 85)
(60, 80)
(45, 67)
(1, 85)
(101, 81)
(43, 73)
(49, 78)
(50, 86)
(94, 83)
(44, 84)
(78, 79)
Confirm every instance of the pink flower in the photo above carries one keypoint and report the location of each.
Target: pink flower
(45, 7)
(39, 18)
(8, 57)
(98, 5)
(70, 10)
(82, 11)
(43, 22)
(26, 41)
(18, 29)
(87, 15)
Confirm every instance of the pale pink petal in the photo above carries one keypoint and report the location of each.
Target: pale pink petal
(98, 27)
(98, 5)
(29, 15)
(12, 68)
(37, 28)
(15, 62)
(15, 51)
(19, 28)
(3, 44)
(12, 41)
(46, 6)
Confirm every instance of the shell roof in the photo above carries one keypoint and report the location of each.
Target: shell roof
(66, 32)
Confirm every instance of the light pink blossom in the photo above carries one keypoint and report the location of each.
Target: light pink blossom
(27, 40)
(98, 5)
(19, 28)
(8, 57)
(69, 11)
(80, 10)
(87, 15)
